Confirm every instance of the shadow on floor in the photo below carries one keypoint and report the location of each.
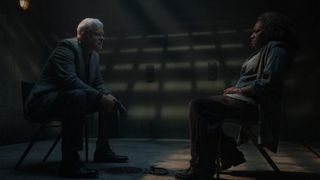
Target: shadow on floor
(46, 169)
(51, 169)
(268, 175)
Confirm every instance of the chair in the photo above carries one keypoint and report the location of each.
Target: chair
(25, 89)
(245, 127)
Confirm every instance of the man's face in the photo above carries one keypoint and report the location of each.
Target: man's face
(257, 35)
(94, 39)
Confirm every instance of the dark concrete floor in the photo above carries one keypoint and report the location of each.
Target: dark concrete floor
(294, 160)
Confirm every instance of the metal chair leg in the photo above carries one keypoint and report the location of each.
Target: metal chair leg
(25, 153)
(86, 140)
(262, 150)
(52, 147)
(218, 156)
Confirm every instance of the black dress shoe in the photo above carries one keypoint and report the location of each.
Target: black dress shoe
(194, 174)
(231, 160)
(109, 157)
(77, 170)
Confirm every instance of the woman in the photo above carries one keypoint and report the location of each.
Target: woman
(260, 83)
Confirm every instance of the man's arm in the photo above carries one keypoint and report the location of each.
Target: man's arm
(108, 101)
(99, 83)
(65, 69)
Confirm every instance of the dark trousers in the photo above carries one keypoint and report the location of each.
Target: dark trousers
(73, 107)
(206, 116)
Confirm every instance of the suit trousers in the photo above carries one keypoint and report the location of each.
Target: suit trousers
(206, 116)
(73, 107)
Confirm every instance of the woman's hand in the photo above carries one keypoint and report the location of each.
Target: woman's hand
(232, 90)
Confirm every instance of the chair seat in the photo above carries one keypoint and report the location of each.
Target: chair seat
(246, 127)
(47, 123)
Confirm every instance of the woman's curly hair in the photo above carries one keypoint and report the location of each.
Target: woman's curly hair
(278, 27)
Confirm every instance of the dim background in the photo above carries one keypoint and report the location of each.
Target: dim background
(158, 54)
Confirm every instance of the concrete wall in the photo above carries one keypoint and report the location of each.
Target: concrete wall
(177, 38)
(23, 46)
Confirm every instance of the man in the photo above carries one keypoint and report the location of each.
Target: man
(71, 87)
(260, 83)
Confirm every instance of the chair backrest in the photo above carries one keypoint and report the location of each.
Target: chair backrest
(25, 91)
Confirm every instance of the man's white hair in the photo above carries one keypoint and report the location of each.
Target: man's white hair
(88, 24)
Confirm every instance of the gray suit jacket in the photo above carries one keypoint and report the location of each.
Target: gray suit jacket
(65, 70)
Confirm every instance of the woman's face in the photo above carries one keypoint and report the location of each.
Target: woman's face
(257, 35)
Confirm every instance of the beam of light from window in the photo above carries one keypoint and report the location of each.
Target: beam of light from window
(153, 49)
(173, 158)
(233, 82)
(174, 112)
(180, 156)
(103, 67)
(111, 38)
(201, 33)
(300, 111)
(118, 86)
(155, 9)
(145, 87)
(290, 83)
(156, 36)
(210, 85)
(204, 47)
(300, 59)
(177, 86)
(142, 66)
(19, 72)
(226, 32)
(231, 45)
(177, 65)
(142, 112)
(10, 63)
(178, 35)
(22, 29)
(120, 67)
(106, 51)
(133, 37)
(249, 30)
(179, 48)
(129, 50)
(234, 62)
(204, 64)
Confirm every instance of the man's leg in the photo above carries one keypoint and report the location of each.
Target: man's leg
(73, 106)
(72, 135)
(103, 151)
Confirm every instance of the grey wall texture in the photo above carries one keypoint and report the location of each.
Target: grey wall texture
(157, 56)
